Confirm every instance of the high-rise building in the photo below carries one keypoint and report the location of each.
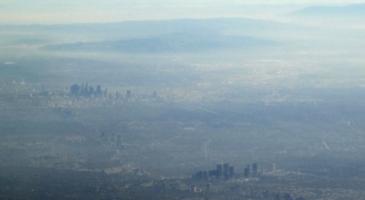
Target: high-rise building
(231, 172)
(200, 175)
(247, 171)
(254, 169)
(226, 170)
(205, 175)
(219, 170)
(128, 94)
(213, 173)
(222, 171)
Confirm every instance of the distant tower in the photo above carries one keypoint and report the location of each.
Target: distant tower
(128, 94)
(91, 91)
(247, 171)
(105, 93)
(226, 170)
(154, 94)
(212, 173)
(205, 175)
(98, 92)
(254, 169)
(219, 170)
(119, 141)
(231, 172)
(75, 90)
(198, 175)
(117, 95)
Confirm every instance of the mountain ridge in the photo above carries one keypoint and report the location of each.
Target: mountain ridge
(340, 10)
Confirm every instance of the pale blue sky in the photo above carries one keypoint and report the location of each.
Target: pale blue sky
(64, 11)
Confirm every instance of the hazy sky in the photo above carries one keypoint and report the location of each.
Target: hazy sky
(64, 11)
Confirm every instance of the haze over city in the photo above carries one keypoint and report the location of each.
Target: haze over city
(173, 99)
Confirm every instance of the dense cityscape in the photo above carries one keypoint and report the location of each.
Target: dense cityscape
(182, 100)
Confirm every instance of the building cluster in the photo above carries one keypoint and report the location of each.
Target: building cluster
(222, 171)
(86, 90)
(89, 91)
(226, 171)
(251, 170)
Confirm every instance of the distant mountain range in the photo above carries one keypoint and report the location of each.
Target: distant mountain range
(178, 42)
(212, 24)
(183, 35)
(352, 10)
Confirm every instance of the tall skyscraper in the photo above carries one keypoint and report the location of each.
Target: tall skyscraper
(219, 170)
(226, 170)
(247, 171)
(254, 169)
